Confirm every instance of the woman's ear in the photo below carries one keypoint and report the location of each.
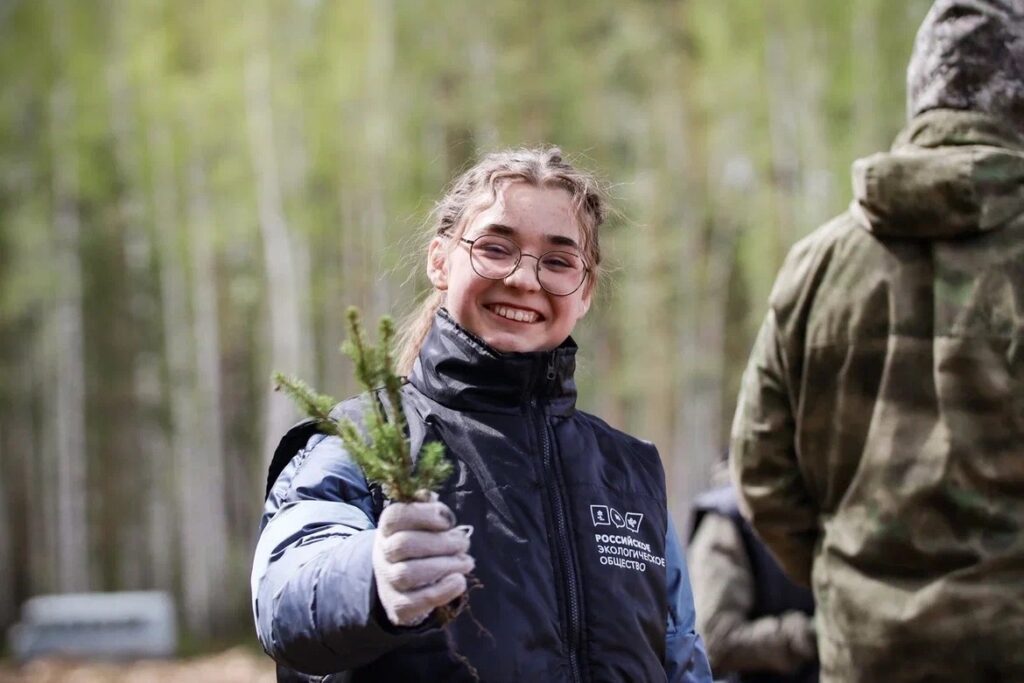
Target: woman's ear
(437, 263)
(585, 301)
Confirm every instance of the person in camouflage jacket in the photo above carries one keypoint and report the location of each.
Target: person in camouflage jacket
(878, 443)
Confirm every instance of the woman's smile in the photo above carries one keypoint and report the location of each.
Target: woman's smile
(514, 313)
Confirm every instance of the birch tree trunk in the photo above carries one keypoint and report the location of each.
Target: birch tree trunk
(295, 181)
(147, 537)
(199, 585)
(207, 471)
(380, 68)
(868, 120)
(351, 283)
(695, 441)
(783, 133)
(72, 533)
(156, 485)
(815, 182)
(483, 61)
(677, 262)
(703, 423)
(285, 295)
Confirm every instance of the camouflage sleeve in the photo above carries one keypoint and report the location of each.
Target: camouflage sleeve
(723, 591)
(763, 457)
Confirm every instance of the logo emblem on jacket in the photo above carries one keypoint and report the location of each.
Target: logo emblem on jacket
(604, 515)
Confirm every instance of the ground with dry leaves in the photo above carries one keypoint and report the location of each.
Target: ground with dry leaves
(238, 665)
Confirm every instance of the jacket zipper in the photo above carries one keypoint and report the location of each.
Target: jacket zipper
(564, 542)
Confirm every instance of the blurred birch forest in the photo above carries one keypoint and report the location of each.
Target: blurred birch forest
(191, 193)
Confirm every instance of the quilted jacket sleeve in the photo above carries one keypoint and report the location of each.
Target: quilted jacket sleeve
(685, 658)
(313, 595)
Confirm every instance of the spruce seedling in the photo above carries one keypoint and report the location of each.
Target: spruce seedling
(383, 453)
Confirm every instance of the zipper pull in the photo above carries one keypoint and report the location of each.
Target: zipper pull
(551, 368)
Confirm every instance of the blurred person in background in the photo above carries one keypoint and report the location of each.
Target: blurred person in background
(879, 436)
(757, 625)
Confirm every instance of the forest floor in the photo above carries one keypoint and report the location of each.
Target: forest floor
(237, 665)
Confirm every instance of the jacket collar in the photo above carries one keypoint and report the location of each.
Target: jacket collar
(952, 127)
(458, 370)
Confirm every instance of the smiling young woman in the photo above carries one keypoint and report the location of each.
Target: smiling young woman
(343, 582)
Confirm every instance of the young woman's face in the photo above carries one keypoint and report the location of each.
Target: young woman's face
(516, 313)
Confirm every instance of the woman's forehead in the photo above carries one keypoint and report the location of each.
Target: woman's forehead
(526, 211)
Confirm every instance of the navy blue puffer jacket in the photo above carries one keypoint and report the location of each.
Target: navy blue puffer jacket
(582, 575)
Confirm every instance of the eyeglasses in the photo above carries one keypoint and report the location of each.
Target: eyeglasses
(493, 257)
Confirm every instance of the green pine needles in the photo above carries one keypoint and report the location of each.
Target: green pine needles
(382, 449)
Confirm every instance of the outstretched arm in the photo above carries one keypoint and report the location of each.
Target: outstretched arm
(314, 596)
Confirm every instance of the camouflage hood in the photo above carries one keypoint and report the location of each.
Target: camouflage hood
(949, 174)
(969, 55)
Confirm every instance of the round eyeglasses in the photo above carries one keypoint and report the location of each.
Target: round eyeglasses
(495, 257)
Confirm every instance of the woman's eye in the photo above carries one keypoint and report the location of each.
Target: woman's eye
(494, 250)
(558, 262)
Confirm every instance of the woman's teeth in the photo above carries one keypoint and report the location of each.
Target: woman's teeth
(516, 314)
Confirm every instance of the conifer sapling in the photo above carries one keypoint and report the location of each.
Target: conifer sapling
(383, 454)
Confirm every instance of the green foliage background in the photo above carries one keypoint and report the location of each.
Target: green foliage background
(150, 148)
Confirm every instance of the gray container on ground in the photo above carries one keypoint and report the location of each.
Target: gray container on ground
(126, 625)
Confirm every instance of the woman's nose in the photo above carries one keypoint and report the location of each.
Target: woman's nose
(524, 276)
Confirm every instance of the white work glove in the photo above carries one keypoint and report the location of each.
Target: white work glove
(420, 559)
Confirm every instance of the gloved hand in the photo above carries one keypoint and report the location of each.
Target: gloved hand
(420, 559)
